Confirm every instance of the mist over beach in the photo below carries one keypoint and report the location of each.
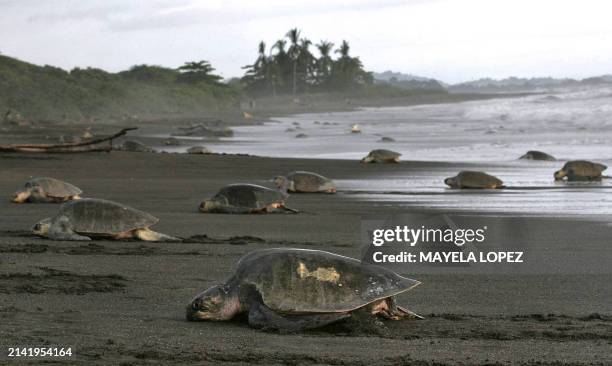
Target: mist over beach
(194, 182)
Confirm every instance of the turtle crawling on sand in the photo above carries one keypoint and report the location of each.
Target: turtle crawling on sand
(245, 199)
(304, 182)
(44, 189)
(296, 289)
(95, 218)
(476, 180)
(135, 146)
(537, 155)
(198, 150)
(382, 156)
(172, 141)
(580, 170)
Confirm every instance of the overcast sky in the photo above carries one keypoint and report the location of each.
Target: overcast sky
(451, 40)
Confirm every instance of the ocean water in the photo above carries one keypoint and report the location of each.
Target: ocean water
(568, 124)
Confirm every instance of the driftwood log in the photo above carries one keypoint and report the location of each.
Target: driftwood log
(71, 147)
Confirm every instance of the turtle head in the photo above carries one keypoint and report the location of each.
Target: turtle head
(21, 195)
(42, 227)
(451, 182)
(282, 183)
(208, 205)
(559, 174)
(367, 159)
(216, 303)
(29, 192)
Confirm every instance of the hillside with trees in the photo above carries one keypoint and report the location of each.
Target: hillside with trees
(292, 66)
(47, 92)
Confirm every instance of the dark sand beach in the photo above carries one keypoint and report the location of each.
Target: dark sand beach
(123, 302)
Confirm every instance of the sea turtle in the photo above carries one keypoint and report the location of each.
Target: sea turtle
(382, 156)
(304, 182)
(537, 155)
(472, 179)
(296, 289)
(198, 150)
(44, 189)
(87, 135)
(172, 141)
(92, 218)
(245, 198)
(580, 170)
(135, 146)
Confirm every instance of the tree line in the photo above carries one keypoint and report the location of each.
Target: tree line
(289, 67)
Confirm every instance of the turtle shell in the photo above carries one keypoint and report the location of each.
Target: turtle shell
(309, 182)
(473, 179)
(135, 146)
(198, 150)
(248, 195)
(583, 168)
(53, 187)
(384, 154)
(537, 155)
(97, 216)
(312, 281)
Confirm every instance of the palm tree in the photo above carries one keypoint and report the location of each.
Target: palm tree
(281, 62)
(344, 49)
(294, 52)
(306, 63)
(257, 75)
(325, 61)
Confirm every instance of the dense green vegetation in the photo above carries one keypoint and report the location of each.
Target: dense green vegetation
(294, 69)
(147, 91)
(288, 68)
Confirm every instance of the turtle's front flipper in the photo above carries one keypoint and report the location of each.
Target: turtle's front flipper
(68, 236)
(61, 229)
(260, 316)
(150, 235)
(405, 313)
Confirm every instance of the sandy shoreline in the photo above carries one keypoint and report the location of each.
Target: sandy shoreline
(124, 301)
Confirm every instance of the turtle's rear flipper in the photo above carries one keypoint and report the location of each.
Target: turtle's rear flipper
(150, 235)
(403, 312)
(289, 210)
(260, 316)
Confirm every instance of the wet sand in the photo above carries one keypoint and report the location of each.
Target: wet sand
(123, 302)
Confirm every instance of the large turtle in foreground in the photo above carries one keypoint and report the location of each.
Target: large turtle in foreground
(473, 179)
(580, 170)
(305, 182)
(45, 189)
(244, 199)
(295, 289)
(382, 156)
(95, 218)
(537, 155)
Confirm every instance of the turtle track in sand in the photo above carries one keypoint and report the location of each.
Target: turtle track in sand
(50, 280)
(548, 327)
(95, 248)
